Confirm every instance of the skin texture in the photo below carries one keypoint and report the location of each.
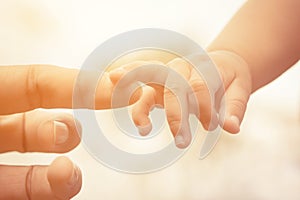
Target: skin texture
(258, 44)
(35, 131)
(266, 35)
(23, 129)
(263, 34)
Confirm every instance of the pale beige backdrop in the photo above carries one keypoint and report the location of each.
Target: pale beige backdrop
(262, 162)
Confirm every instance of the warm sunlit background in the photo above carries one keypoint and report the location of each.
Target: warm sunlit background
(262, 162)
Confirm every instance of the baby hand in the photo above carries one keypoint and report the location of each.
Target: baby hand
(236, 82)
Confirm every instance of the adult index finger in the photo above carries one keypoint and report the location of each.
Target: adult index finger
(25, 88)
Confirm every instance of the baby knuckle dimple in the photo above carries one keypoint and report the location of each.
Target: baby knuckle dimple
(169, 93)
(174, 124)
(198, 85)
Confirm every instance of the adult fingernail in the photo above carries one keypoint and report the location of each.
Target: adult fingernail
(75, 176)
(144, 130)
(61, 132)
(179, 141)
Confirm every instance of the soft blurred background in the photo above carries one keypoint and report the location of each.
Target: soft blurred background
(262, 162)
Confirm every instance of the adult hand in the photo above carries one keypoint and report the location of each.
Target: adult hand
(23, 129)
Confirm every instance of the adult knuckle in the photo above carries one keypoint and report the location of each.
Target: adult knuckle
(32, 89)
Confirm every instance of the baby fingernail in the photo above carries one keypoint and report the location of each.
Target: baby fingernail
(144, 130)
(61, 132)
(179, 141)
(236, 121)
